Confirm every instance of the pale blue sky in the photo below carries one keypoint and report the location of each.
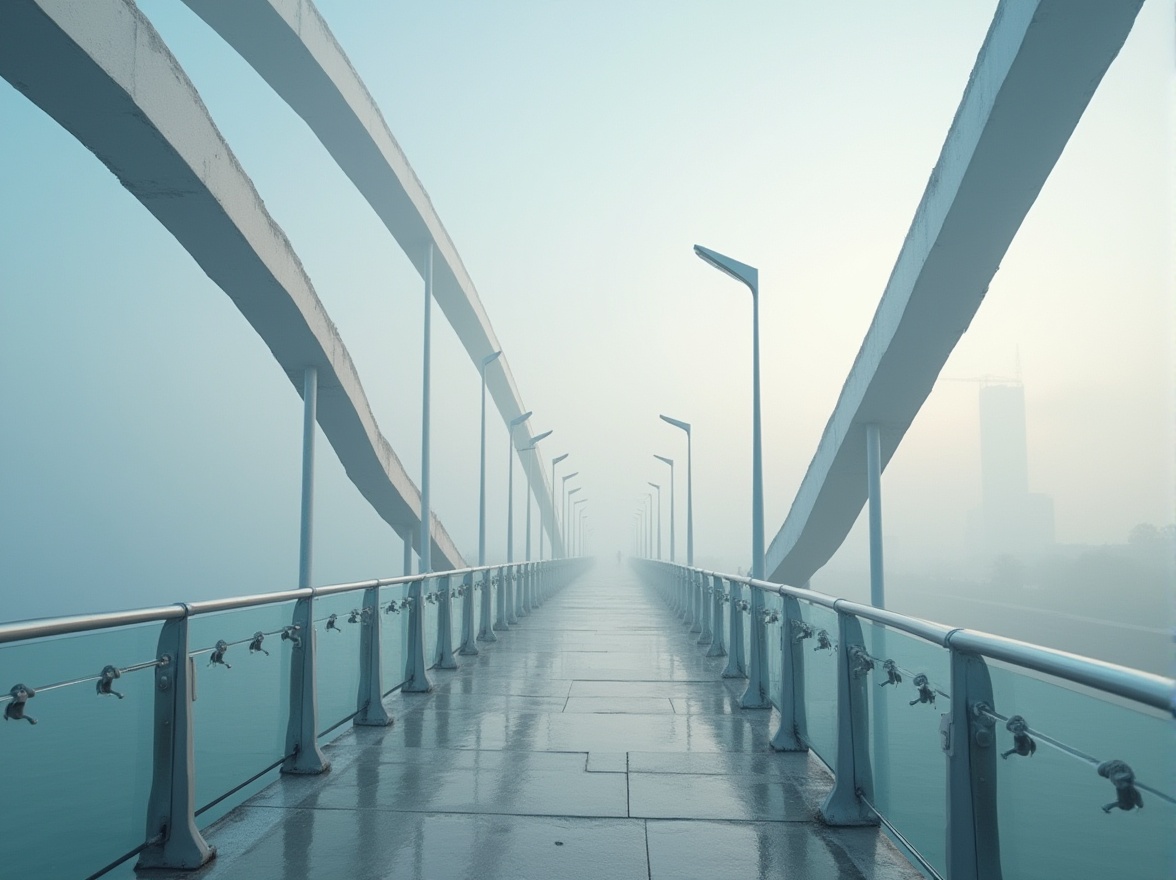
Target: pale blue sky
(575, 152)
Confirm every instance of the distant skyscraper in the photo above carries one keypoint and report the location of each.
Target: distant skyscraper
(1011, 519)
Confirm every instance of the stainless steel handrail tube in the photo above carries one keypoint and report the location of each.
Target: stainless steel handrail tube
(1133, 684)
(38, 628)
(43, 627)
(1121, 681)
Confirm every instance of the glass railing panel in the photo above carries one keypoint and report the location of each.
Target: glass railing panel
(910, 770)
(820, 679)
(773, 602)
(242, 700)
(1051, 802)
(393, 629)
(87, 756)
(338, 656)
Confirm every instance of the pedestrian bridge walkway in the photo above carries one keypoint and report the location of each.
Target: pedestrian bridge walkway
(595, 740)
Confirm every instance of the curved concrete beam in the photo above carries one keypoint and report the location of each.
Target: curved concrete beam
(289, 44)
(102, 71)
(1036, 72)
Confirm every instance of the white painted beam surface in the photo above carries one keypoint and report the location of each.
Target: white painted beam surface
(102, 71)
(290, 45)
(1037, 70)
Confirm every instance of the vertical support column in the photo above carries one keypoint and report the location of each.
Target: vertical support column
(486, 627)
(303, 755)
(758, 694)
(426, 547)
(969, 741)
(790, 735)
(469, 645)
(736, 665)
(717, 648)
(852, 768)
(416, 676)
(881, 722)
(171, 807)
(707, 634)
(369, 700)
(443, 658)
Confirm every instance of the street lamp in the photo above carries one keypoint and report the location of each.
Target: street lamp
(649, 531)
(567, 527)
(756, 696)
(685, 426)
(561, 526)
(554, 462)
(575, 523)
(534, 441)
(514, 423)
(486, 361)
(658, 487)
(670, 462)
(749, 275)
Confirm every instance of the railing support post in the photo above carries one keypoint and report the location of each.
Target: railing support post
(717, 648)
(969, 740)
(486, 628)
(171, 807)
(758, 694)
(695, 587)
(510, 590)
(469, 644)
(369, 700)
(303, 754)
(444, 658)
(736, 666)
(854, 778)
(688, 597)
(416, 677)
(790, 735)
(500, 621)
(707, 635)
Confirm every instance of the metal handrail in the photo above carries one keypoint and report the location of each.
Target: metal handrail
(1122, 681)
(43, 627)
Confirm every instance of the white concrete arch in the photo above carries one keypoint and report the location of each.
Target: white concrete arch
(104, 74)
(1037, 70)
(290, 45)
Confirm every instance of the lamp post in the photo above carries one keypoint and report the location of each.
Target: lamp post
(510, 451)
(658, 487)
(573, 528)
(561, 526)
(756, 696)
(567, 528)
(685, 426)
(554, 462)
(578, 519)
(534, 440)
(486, 361)
(649, 531)
(670, 462)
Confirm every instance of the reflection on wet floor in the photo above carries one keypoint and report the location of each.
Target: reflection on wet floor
(593, 739)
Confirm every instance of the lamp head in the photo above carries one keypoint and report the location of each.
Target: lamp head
(520, 419)
(572, 492)
(685, 426)
(490, 358)
(741, 272)
(655, 485)
(539, 437)
(569, 476)
(559, 458)
(668, 461)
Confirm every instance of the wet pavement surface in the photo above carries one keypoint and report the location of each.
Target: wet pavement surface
(593, 740)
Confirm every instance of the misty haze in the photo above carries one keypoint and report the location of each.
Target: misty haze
(489, 266)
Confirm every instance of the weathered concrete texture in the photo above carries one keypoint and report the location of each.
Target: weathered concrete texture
(534, 761)
(1040, 64)
(289, 44)
(102, 71)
